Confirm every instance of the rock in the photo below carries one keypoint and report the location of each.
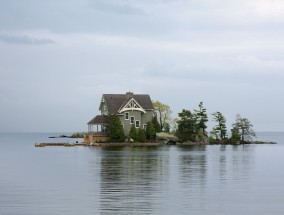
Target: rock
(263, 142)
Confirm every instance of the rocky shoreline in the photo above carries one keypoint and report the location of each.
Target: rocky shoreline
(171, 143)
(133, 144)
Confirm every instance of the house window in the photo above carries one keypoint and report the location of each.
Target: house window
(126, 116)
(132, 120)
(137, 123)
(144, 126)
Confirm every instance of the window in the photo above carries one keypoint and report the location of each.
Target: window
(137, 123)
(131, 119)
(126, 116)
(144, 126)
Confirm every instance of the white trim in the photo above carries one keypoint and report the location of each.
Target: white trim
(131, 120)
(136, 123)
(144, 126)
(131, 106)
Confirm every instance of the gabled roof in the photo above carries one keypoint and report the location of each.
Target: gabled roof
(131, 104)
(115, 102)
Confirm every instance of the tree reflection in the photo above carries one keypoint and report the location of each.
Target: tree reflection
(193, 165)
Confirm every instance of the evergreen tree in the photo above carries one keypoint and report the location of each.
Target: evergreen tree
(133, 133)
(115, 129)
(141, 137)
(235, 135)
(186, 126)
(150, 131)
(220, 130)
(244, 127)
(156, 124)
(201, 117)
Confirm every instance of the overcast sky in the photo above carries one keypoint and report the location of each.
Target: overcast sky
(58, 57)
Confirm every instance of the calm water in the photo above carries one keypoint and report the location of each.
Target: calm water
(140, 180)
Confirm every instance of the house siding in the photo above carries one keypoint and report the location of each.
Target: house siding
(142, 117)
(114, 104)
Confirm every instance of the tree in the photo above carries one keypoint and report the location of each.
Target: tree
(167, 127)
(235, 135)
(133, 133)
(163, 113)
(244, 127)
(186, 126)
(115, 129)
(141, 137)
(220, 130)
(201, 117)
(150, 131)
(156, 124)
(175, 124)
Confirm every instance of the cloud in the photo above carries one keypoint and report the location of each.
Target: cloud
(25, 40)
(116, 7)
(227, 53)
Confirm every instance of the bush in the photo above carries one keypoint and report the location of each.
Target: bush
(133, 133)
(115, 129)
(141, 137)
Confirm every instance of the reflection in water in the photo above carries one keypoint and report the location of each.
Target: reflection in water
(130, 179)
(140, 180)
(193, 165)
(207, 180)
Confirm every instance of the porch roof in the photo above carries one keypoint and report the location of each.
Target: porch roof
(99, 120)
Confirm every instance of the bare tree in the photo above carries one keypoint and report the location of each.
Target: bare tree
(244, 126)
(163, 113)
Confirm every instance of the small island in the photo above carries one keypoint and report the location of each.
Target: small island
(135, 120)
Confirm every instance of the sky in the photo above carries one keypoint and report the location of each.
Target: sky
(58, 57)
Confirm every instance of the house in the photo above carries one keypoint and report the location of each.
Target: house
(132, 109)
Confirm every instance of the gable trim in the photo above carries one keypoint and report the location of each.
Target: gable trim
(132, 105)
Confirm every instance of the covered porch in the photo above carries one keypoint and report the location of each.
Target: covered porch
(97, 131)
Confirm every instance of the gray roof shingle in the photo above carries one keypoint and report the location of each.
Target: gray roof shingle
(99, 120)
(116, 101)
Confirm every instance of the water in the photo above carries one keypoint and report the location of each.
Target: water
(140, 180)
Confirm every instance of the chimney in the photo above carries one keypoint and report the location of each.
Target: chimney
(129, 94)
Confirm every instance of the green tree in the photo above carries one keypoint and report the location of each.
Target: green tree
(167, 127)
(133, 133)
(235, 135)
(244, 127)
(115, 129)
(163, 113)
(186, 126)
(156, 124)
(220, 130)
(150, 131)
(201, 117)
(141, 137)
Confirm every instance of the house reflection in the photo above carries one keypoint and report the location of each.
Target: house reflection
(130, 177)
